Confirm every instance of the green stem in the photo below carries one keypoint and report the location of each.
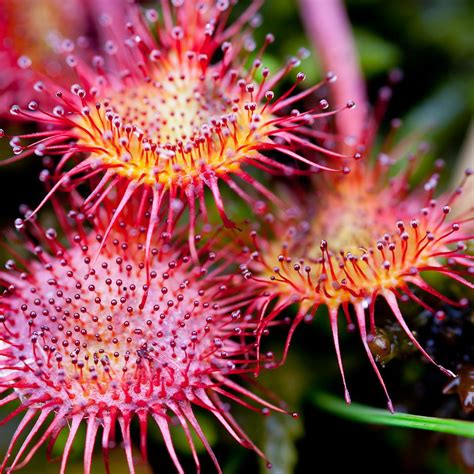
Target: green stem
(365, 414)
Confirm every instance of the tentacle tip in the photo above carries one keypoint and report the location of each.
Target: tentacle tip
(347, 397)
(269, 465)
(448, 372)
(229, 223)
(331, 77)
(390, 406)
(19, 224)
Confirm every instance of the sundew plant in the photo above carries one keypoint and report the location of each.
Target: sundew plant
(238, 236)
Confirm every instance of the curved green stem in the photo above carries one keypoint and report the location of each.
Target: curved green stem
(376, 416)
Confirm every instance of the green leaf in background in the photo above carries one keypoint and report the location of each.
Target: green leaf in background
(376, 416)
(441, 109)
(376, 54)
(281, 433)
(181, 442)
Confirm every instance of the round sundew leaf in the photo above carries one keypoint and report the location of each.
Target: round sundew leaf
(440, 113)
(365, 414)
(93, 397)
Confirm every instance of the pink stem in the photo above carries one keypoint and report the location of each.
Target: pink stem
(328, 26)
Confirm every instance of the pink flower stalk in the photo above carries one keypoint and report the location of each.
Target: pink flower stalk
(172, 110)
(363, 238)
(328, 26)
(103, 345)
